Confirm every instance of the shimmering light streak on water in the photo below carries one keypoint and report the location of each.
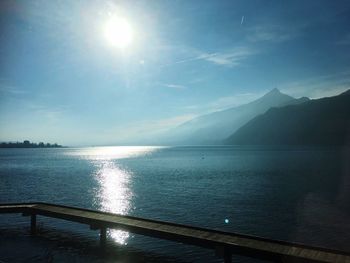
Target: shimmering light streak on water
(114, 152)
(114, 194)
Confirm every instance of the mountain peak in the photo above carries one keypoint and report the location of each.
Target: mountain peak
(275, 98)
(296, 125)
(274, 91)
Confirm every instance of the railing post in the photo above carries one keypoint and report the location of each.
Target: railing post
(224, 252)
(33, 224)
(227, 256)
(103, 236)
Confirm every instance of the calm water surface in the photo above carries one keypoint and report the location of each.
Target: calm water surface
(295, 194)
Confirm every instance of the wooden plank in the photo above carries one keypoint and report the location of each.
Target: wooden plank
(228, 242)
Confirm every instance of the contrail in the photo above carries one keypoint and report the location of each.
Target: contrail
(242, 20)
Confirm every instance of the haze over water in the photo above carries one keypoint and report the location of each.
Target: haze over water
(289, 193)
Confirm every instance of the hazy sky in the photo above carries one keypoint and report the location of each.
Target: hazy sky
(62, 81)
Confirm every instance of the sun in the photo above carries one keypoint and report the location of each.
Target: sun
(118, 32)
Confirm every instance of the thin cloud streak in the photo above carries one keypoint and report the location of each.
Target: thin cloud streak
(229, 58)
(272, 33)
(6, 89)
(242, 20)
(174, 86)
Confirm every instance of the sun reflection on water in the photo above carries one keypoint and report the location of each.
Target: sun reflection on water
(113, 152)
(113, 193)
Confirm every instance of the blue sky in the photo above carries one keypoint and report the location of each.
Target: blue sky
(60, 81)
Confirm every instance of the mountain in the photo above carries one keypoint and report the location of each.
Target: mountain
(323, 121)
(215, 127)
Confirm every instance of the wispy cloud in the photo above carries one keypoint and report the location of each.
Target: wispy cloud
(228, 58)
(174, 86)
(319, 86)
(271, 33)
(11, 90)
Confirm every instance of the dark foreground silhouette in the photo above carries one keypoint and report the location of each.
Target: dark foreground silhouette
(224, 243)
(323, 121)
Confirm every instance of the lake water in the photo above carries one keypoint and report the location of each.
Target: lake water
(294, 194)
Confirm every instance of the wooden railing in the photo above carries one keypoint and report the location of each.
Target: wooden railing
(224, 243)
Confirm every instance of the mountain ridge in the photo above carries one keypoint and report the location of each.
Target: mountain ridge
(212, 128)
(324, 121)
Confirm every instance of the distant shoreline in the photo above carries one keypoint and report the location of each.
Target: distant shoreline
(28, 144)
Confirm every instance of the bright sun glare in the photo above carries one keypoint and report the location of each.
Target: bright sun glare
(118, 32)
